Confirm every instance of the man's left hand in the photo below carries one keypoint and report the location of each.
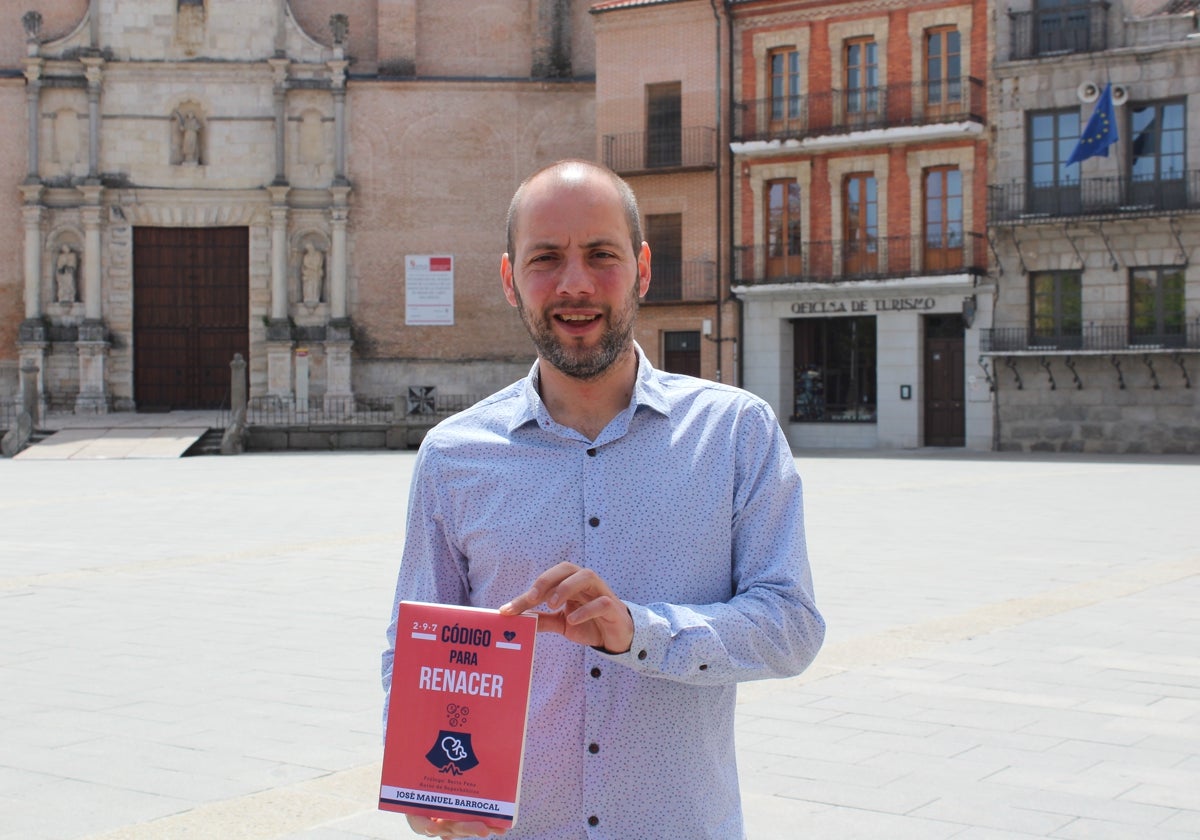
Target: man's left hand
(584, 608)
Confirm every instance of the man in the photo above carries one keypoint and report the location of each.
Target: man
(655, 520)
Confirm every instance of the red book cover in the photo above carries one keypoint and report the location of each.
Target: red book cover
(456, 720)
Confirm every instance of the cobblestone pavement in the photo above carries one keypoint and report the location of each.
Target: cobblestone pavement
(189, 648)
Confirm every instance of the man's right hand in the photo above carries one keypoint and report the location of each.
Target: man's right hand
(427, 827)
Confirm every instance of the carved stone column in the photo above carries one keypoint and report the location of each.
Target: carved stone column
(33, 214)
(93, 336)
(33, 88)
(279, 69)
(337, 71)
(279, 330)
(339, 386)
(338, 216)
(94, 69)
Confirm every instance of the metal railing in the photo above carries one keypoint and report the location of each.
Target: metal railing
(1021, 201)
(891, 256)
(1057, 30)
(1090, 337)
(843, 111)
(352, 411)
(648, 151)
(688, 280)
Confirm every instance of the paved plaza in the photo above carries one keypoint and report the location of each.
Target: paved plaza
(189, 648)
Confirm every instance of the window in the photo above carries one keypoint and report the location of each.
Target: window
(1156, 154)
(943, 67)
(783, 228)
(860, 228)
(1156, 306)
(834, 369)
(862, 77)
(784, 69)
(1053, 186)
(664, 133)
(1062, 26)
(665, 231)
(681, 352)
(1056, 309)
(943, 219)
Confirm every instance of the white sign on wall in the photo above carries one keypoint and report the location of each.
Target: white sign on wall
(429, 291)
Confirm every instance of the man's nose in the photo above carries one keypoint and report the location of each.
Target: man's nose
(575, 278)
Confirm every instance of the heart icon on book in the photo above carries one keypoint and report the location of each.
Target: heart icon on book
(509, 635)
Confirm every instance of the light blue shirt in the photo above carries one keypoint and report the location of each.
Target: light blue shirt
(689, 506)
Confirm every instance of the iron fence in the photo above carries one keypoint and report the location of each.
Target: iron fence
(641, 151)
(686, 280)
(1022, 201)
(425, 406)
(879, 257)
(1090, 337)
(843, 111)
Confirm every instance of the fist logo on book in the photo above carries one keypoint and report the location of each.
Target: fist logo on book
(452, 753)
(456, 715)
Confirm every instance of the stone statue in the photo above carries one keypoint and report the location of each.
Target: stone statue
(66, 269)
(189, 136)
(312, 274)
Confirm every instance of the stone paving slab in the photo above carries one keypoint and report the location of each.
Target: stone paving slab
(189, 649)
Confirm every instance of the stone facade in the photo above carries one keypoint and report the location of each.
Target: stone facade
(399, 129)
(1085, 353)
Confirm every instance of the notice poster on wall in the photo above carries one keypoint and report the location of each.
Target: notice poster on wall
(428, 291)
(456, 721)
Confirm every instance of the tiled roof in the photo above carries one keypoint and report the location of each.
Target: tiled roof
(612, 5)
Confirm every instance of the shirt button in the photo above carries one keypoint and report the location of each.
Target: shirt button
(593, 821)
(641, 654)
(593, 748)
(592, 452)
(703, 667)
(594, 521)
(596, 673)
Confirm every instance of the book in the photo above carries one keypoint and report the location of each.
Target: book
(455, 738)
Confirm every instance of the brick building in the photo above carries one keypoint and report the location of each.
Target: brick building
(319, 186)
(1095, 344)
(860, 187)
(660, 125)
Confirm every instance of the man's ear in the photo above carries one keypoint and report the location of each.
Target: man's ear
(643, 265)
(506, 280)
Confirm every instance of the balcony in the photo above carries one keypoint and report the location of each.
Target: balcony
(886, 257)
(844, 111)
(642, 152)
(683, 281)
(1092, 338)
(1020, 202)
(1059, 30)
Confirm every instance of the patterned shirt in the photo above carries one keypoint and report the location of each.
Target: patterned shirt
(689, 506)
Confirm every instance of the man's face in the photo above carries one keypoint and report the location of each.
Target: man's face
(574, 276)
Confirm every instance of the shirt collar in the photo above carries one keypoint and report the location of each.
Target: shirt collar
(647, 391)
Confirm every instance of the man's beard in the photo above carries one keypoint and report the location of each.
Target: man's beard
(582, 362)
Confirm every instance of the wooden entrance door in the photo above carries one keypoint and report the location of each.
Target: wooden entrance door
(191, 292)
(945, 416)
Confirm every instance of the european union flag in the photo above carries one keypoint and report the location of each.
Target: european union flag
(1100, 131)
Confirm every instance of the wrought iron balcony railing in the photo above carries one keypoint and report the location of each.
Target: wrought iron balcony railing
(1059, 29)
(1025, 202)
(1104, 338)
(688, 280)
(843, 111)
(648, 151)
(892, 256)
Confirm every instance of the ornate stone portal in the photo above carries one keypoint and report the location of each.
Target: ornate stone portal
(235, 129)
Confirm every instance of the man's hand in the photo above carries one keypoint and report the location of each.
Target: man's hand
(427, 827)
(584, 608)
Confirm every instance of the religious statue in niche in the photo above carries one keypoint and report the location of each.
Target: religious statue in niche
(66, 273)
(189, 127)
(312, 274)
